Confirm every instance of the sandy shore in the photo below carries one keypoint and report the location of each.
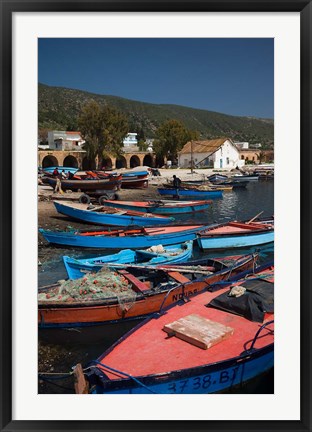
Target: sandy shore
(47, 212)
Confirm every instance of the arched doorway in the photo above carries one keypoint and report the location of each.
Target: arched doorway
(148, 160)
(70, 161)
(88, 164)
(134, 161)
(121, 162)
(160, 162)
(106, 163)
(49, 161)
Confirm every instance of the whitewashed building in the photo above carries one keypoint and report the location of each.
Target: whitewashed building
(242, 145)
(130, 140)
(218, 153)
(63, 140)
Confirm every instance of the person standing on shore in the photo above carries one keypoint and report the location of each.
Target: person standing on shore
(176, 182)
(58, 185)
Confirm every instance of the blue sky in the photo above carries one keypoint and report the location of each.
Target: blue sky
(232, 76)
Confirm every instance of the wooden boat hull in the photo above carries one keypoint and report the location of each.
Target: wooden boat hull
(145, 304)
(162, 207)
(108, 240)
(76, 268)
(190, 193)
(110, 183)
(116, 219)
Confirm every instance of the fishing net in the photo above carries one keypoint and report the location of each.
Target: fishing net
(156, 249)
(92, 287)
(159, 249)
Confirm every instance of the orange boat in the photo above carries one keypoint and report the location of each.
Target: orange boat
(150, 289)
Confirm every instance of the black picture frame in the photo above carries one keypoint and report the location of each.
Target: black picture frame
(7, 9)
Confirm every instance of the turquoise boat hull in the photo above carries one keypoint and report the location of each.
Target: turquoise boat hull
(234, 241)
(60, 169)
(162, 208)
(76, 268)
(199, 194)
(78, 239)
(116, 219)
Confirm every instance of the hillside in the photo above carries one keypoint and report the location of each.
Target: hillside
(59, 108)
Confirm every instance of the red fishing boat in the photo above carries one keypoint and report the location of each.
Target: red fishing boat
(213, 342)
(88, 183)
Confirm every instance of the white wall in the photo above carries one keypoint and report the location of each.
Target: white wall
(228, 154)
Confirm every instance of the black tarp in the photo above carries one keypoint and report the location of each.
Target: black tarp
(257, 299)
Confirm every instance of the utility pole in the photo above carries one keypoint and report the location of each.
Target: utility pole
(191, 156)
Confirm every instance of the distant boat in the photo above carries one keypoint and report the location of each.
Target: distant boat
(214, 342)
(112, 182)
(235, 234)
(120, 294)
(155, 255)
(194, 193)
(50, 170)
(248, 177)
(162, 207)
(101, 215)
(220, 180)
(217, 177)
(134, 179)
(206, 186)
(124, 238)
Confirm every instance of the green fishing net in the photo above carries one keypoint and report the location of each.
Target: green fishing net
(91, 287)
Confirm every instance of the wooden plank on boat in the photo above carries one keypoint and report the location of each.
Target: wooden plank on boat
(81, 384)
(198, 331)
(178, 276)
(137, 284)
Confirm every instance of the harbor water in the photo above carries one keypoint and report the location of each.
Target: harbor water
(60, 349)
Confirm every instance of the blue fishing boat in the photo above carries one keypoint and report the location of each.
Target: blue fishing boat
(134, 173)
(131, 238)
(173, 254)
(215, 342)
(60, 169)
(101, 215)
(161, 206)
(193, 193)
(235, 234)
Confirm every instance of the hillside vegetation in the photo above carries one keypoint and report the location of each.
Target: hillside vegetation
(59, 108)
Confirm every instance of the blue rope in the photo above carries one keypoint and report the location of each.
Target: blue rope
(125, 374)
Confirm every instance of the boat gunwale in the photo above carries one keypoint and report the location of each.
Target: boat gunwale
(129, 213)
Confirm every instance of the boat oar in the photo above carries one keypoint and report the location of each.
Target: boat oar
(255, 217)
